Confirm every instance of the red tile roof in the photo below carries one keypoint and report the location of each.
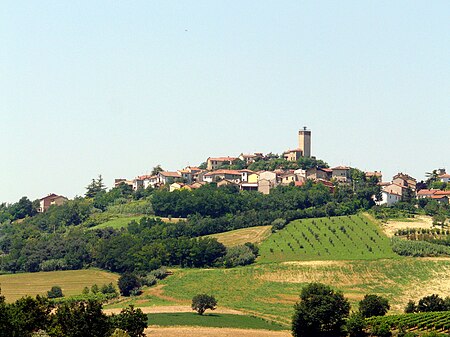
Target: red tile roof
(222, 158)
(229, 172)
(170, 174)
(341, 168)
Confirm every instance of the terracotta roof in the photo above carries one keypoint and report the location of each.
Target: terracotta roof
(293, 150)
(325, 169)
(426, 192)
(341, 168)
(390, 192)
(170, 174)
(222, 158)
(245, 170)
(229, 172)
(50, 196)
(445, 175)
(299, 183)
(442, 193)
(370, 174)
(439, 196)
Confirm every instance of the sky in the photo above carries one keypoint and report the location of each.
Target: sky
(118, 87)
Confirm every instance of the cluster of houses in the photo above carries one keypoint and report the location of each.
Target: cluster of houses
(402, 184)
(262, 181)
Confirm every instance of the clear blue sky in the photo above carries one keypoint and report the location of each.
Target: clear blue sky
(115, 88)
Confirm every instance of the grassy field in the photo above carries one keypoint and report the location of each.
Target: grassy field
(72, 282)
(119, 222)
(353, 237)
(240, 236)
(212, 320)
(271, 290)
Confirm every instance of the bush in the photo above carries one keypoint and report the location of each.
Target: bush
(120, 333)
(238, 256)
(382, 330)
(131, 320)
(149, 280)
(201, 302)
(278, 224)
(55, 292)
(160, 273)
(373, 305)
(128, 283)
(410, 307)
(356, 325)
(431, 303)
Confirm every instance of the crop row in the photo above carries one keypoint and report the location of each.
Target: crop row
(416, 321)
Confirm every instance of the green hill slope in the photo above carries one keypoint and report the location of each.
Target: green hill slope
(337, 238)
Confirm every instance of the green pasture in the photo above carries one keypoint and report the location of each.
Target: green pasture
(353, 237)
(270, 290)
(213, 320)
(119, 222)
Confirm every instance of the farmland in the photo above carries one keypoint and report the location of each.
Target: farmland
(72, 282)
(439, 321)
(240, 236)
(353, 237)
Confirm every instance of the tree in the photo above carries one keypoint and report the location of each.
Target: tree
(55, 292)
(95, 187)
(120, 333)
(410, 307)
(201, 302)
(321, 312)
(131, 320)
(431, 303)
(127, 283)
(156, 170)
(355, 325)
(373, 305)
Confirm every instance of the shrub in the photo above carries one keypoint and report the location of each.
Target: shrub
(55, 292)
(127, 283)
(410, 307)
(278, 224)
(120, 333)
(201, 302)
(382, 330)
(356, 325)
(238, 256)
(373, 305)
(431, 303)
(131, 320)
(149, 280)
(160, 273)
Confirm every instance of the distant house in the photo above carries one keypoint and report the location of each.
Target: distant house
(166, 177)
(231, 175)
(265, 185)
(375, 174)
(388, 198)
(118, 182)
(245, 174)
(438, 195)
(49, 200)
(316, 173)
(268, 175)
(226, 182)
(293, 155)
(425, 193)
(397, 189)
(214, 163)
(175, 186)
(341, 174)
(444, 177)
(189, 173)
(287, 178)
(250, 158)
(405, 180)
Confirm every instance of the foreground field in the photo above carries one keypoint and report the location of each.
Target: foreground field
(72, 282)
(270, 290)
(240, 236)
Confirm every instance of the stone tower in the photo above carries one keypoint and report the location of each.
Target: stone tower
(304, 141)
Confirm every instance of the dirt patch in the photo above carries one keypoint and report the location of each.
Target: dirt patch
(421, 221)
(159, 292)
(172, 309)
(318, 263)
(212, 332)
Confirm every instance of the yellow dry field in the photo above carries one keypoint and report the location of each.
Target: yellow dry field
(212, 332)
(240, 236)
(421, 221)
(72, 282)
(173, 309)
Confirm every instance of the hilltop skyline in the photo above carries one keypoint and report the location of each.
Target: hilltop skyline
(143, 84)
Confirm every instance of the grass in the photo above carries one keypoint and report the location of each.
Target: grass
(270, 290)
(353, 237)
(240, 236)
(72, 282)
(119, 222)
(212, 320)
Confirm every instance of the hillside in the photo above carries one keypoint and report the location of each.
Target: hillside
(240, 236)
(352, 237)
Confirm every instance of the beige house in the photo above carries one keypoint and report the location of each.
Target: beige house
(341, 174)
(176, 186)
(375, 174)
(287, 178)
(226, 182)
(264, 186)
(232, 175)
(215, 163)
(405, 180)
(293, 155)
(49, 200)
(268, 175)
(316, 173)
(395, 189)
(166, 177)
(250, 158)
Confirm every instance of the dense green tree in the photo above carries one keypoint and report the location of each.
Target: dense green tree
(373, 305)
(128, 283)
(132, 320)
(96, 186)
(55, 292)
(410, 307)
(321, 312)
(356, 325)
(202, 302)
(431, 303)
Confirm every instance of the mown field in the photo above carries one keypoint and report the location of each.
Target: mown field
(353, 237)
(119, 222)
(240, 236)
(72, 282)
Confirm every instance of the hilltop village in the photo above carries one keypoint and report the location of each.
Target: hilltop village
(237, 171)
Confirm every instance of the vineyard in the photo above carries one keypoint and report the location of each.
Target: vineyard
(334, 238)
(439, 321)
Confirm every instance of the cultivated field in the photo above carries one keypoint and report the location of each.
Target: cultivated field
(72, 282)
(353, 237)
(123, 221)
(421, 221)
(240, 236)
